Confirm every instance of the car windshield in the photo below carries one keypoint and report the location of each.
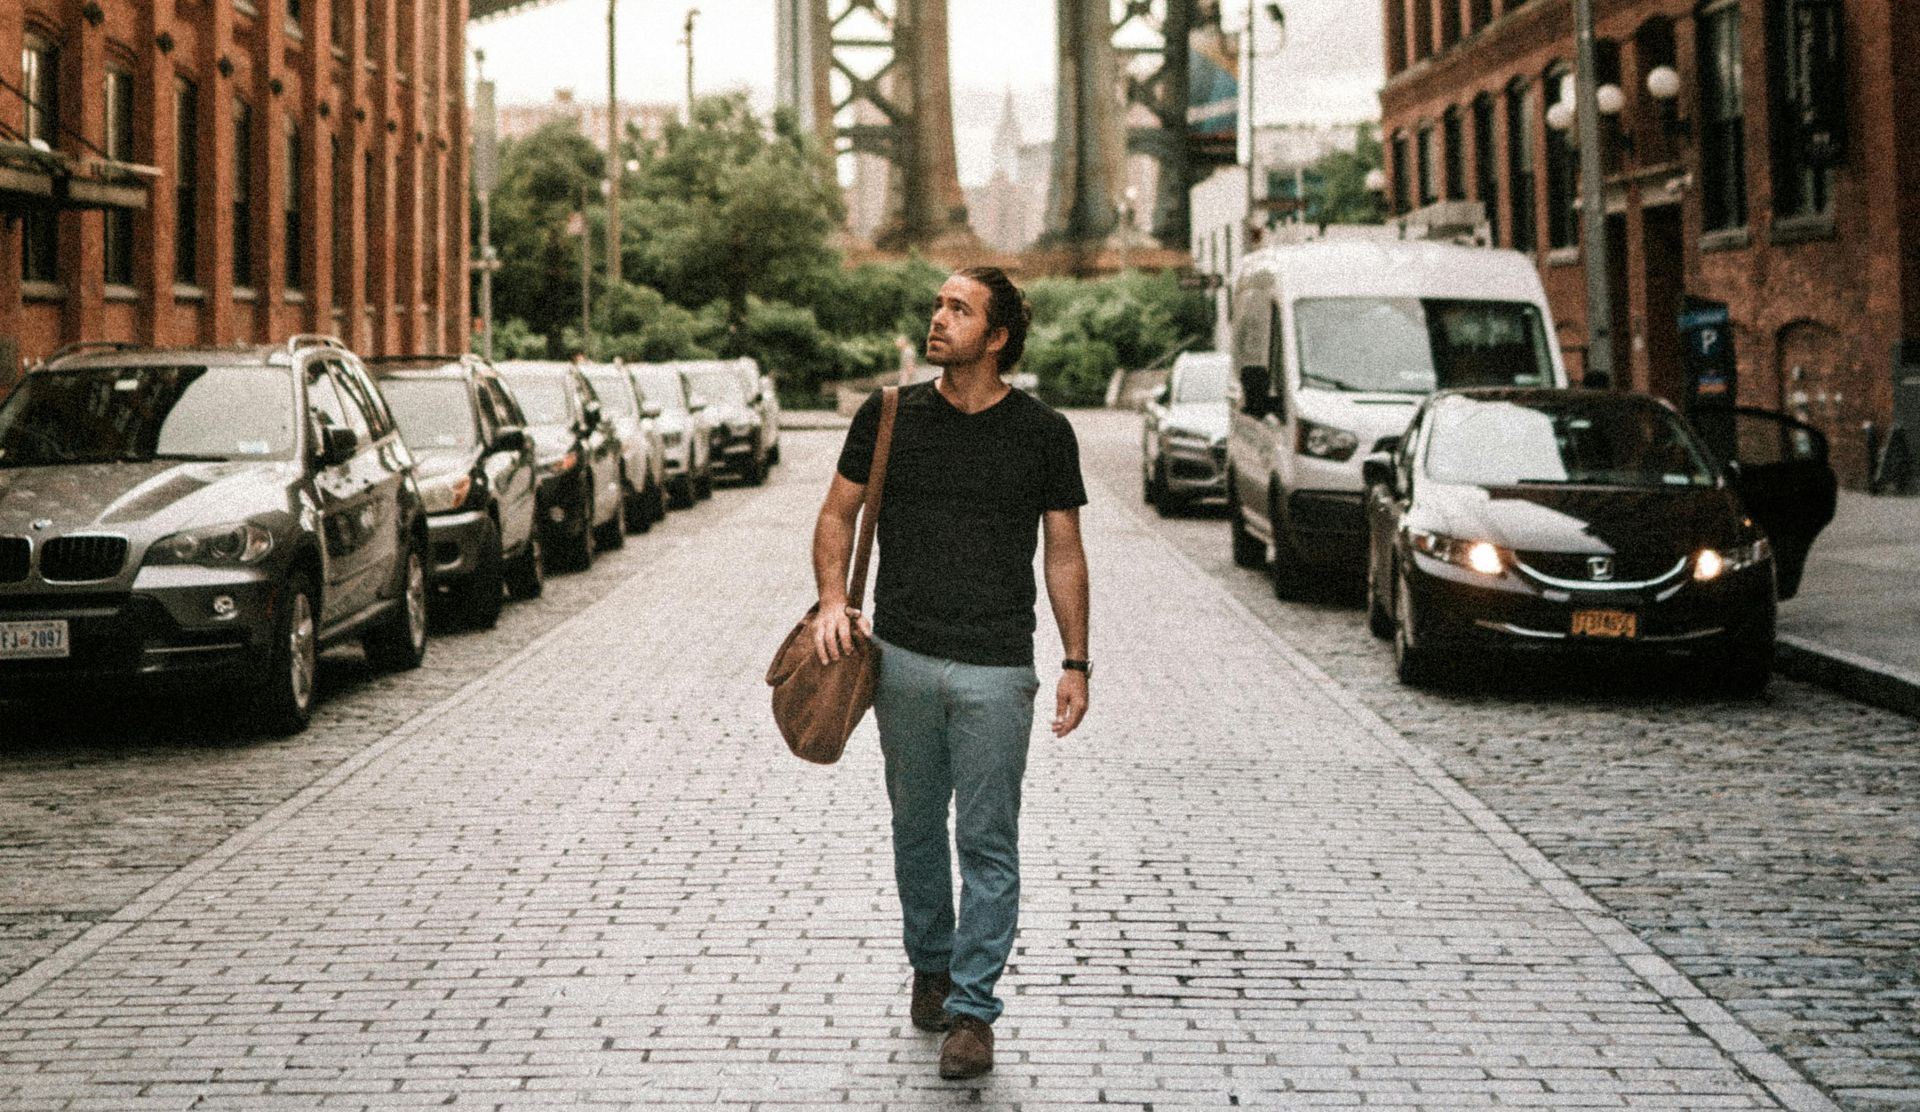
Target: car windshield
(1574, 442)
(1406, 345)
(1201, 380)
(616, 396)
(433, 412)
(662, 388)
(135, 414)
(719, 386)
(543, 399)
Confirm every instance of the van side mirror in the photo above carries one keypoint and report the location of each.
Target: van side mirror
(512, 438)
(1378, 470)
(1253, 392)
(337, 445)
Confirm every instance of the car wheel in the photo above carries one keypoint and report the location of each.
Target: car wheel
(753, 470)
(613, 534)
(657, 502)
(1413, 664)
(526, 574)
(1744, 664)
(398, 641)
(478, 596)
(283, 703)
(576, 551)
(703, 486)
(1248, 552)
(1379, 621)
(680, 491)
(773, 456)
(638, 508)
(1284, 566)
(1163, 499)
(1146, 483)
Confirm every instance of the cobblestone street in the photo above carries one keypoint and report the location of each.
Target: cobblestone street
(569, 863)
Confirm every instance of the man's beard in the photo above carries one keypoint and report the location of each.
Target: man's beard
(955, 356)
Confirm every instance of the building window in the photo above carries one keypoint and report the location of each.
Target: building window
(1723, 145)
(295, 278)
(1563, 166)
(1422, 29)
(1400, 157)
(1485, 173)
(1449, 23)
(1520, 128)
(1396, 36)
(186, 197)
(1423, 158)
(1454, 144)
(1808, 80)
(242, 194)
(119, 146)
(1480, 15)
(40, 228)
(342, 224)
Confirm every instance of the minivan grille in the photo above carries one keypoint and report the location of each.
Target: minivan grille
(79, 559)
(14, 554)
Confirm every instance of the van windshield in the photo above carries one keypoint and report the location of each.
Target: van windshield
(1407, 345)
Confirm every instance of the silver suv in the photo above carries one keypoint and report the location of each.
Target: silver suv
(213, 514)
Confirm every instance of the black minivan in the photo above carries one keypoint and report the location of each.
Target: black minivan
(209, 514)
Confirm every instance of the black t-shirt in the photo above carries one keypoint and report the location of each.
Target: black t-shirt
(960, 519)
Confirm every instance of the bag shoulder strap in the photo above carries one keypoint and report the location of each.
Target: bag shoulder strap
(876, 484)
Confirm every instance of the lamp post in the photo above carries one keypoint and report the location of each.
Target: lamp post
(1599, 361)
(486, 173)
(613, 159)
(1279, 18)
(688, 40)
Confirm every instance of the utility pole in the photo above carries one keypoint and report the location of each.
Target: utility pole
(1256, 216)
(1593, 216)
(688, 40)
(614, 162)
(486, 173)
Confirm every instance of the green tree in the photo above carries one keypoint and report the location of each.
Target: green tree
(1345, 198)
(543, 179)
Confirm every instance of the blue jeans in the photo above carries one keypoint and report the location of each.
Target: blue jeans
(956, 733)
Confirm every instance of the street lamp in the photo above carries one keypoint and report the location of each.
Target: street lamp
(1279, 19)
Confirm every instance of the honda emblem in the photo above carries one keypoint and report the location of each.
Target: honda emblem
(1600, 568)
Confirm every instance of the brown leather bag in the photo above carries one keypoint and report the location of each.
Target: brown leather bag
(818, 705)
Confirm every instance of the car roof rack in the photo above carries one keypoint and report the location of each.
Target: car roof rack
(301, 340)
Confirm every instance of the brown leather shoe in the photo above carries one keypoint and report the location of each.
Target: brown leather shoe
(929, 1010)
(967, 1051)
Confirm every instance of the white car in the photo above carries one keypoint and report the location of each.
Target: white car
(1183, 438)
(685, 437)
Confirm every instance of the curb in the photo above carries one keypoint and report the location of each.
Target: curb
(1856, 677)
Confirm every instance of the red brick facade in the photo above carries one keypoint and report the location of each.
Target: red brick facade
(1819, 299)
(357, 160)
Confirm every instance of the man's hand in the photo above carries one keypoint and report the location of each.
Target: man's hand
(1069, 702)
(834, 629)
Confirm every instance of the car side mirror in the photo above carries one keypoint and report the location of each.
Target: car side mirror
(1162, 395)
(509, 439)
(337, 445)
(1379, 470)
(1253, 392)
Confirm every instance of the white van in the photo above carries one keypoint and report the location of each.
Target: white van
(1335, 342)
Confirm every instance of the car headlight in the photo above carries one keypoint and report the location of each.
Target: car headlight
(1710, 564)
(560, 465)
(1325, 442)
(1476, 556)
(240, 543)
(1184, 438)
(446, 492)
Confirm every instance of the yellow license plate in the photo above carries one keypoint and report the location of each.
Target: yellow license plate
(1606, 623)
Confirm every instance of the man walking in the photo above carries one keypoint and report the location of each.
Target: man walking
(976, 470)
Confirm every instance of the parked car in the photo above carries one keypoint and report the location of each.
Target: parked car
(1335, 342)
(475, 465)
(685, 437)
(580, 491)
(216, 515)
(738, 431)
(1183, 439)
(644, 472)
(1530, 520)
(765, 398)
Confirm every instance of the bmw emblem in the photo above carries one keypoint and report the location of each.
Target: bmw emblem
(1600, 568)
(43, 523)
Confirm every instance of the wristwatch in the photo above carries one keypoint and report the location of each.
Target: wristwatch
(1084, 667)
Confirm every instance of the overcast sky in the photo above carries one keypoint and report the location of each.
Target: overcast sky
(1328, 69)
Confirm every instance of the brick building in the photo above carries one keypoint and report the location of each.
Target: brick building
(216, 171)
(1754, 156)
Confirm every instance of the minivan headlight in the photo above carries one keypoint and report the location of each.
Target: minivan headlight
(1324, 441)
(239, 543)
(446, 492)
(1476, 556)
